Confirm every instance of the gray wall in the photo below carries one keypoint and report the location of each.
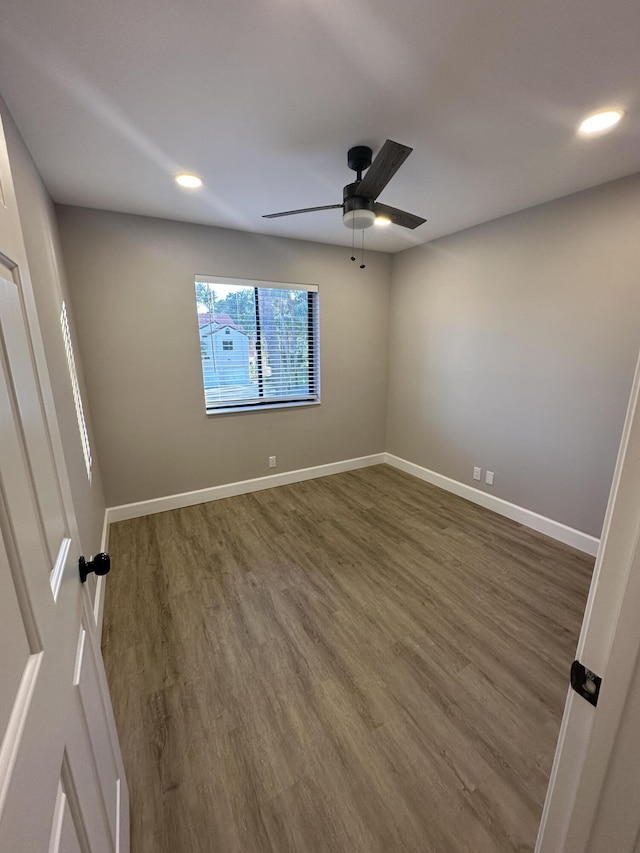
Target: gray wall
(49, 285)
(513, 346)
(132, 287)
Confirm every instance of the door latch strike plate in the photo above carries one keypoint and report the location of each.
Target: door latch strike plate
(585, 683)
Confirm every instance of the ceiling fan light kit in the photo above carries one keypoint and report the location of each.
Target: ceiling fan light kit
(359, 206)
(358, 213)
(358, 220)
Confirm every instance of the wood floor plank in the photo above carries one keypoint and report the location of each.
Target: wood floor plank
(357, 664)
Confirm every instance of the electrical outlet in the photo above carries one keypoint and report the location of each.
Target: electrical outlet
(272, 462)
(489, 478)
(477, 473)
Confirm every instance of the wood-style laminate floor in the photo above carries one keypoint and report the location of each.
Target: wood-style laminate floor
(355, 664)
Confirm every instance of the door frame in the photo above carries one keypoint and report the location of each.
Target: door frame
(585, 783)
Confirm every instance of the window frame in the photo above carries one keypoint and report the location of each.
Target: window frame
(261, 402)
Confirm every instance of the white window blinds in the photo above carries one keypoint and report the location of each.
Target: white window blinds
(258, 343)
(75, 386)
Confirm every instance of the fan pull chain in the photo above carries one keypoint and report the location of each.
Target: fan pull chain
(353, 244)
(362, 264)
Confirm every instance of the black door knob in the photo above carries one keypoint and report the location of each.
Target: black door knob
(100, 564)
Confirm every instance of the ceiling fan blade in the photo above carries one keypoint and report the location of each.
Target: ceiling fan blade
(398, 217)
(385, 164)
(302, 210)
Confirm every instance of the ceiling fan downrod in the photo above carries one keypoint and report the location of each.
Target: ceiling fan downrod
(357, 212)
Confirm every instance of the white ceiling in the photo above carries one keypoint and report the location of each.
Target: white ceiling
(263, 98)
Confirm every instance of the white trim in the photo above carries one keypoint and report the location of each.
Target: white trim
(555, 529)
(255, 282)
(260, 407)
(55, 578)
(98, 602)
(229, 490)
(15, 727)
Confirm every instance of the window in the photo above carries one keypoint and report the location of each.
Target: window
(258, 343)
(75, 387)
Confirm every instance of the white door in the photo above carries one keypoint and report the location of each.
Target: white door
(61, 782)
(593, 801)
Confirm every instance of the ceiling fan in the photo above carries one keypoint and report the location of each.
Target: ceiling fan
(359, 205)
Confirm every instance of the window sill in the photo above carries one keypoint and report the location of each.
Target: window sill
(234, 410)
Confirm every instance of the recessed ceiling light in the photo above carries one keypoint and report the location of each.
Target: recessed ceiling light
(191, 182)
(600, 121)
(382, 221)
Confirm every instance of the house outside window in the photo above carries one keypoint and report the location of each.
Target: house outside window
(258, 343)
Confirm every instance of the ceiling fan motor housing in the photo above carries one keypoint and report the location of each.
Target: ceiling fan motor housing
(358, 212)
(359, 159)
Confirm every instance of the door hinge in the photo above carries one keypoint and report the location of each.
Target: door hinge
(585, 683)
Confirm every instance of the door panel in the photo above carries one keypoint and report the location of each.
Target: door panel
(65, 836)
(62, 785)
(68, 832)
(96, 727)
(48, 499)
(26, 526)
(13, 637)
(45, 701)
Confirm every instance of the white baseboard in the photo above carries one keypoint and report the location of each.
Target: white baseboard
(576, 538)
(229, 490)
(555, 529)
